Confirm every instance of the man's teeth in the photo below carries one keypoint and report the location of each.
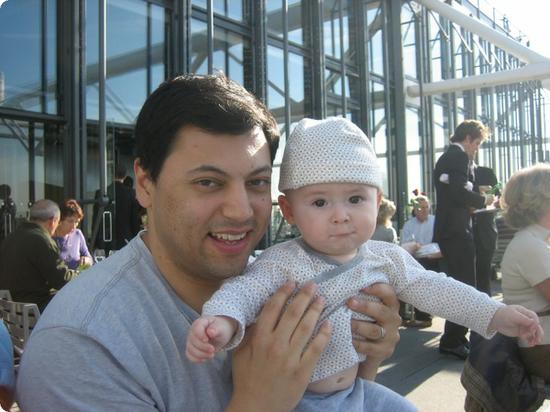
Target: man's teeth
(229, 237)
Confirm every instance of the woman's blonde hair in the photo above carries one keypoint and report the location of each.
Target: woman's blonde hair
(386, 210)
(527, 196)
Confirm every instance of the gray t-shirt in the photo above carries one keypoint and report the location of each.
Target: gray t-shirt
(114, 340)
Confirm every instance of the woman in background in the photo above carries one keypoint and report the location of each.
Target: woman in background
(526, 262)
(69, 239)
(384, 230)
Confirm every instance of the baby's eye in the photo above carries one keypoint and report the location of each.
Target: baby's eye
(355, 199)
(319, 203)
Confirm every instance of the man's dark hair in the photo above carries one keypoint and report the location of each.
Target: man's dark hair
(473, 128)
(211, 102)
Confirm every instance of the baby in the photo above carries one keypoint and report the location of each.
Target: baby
(332, 188)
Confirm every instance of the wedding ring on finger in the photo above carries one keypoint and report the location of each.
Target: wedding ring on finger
(382, 333)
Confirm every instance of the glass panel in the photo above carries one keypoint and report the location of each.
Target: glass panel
(20, 38)
(331, 28)
(414, 173)
(199, 47)
(412, 129)
(409, 44)
(333, 81)
(31, 164)
(378, 118)
(440, 129)
(295, 21)
(126, 86)
(350, 32)
(300, 103)
(375, 22)
(229, 52)
(276, 84)
(274, 10)
(234, 9)
(51, 57)
(127, 56)
(158, 57)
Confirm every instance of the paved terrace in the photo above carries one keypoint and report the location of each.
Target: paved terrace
(420, 373)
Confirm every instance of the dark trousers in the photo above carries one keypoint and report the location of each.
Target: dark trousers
(483, 270)
(459, 255)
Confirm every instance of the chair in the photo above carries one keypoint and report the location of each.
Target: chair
(20, 319)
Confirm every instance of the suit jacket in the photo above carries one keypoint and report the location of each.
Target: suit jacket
(454, 200)
(126, 219)
(485, 229)
(30, 265)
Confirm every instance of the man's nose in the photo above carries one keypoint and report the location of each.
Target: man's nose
(237, 204)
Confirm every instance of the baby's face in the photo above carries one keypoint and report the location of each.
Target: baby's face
(334, 218)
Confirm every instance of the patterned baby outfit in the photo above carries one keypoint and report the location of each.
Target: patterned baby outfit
(242, 297)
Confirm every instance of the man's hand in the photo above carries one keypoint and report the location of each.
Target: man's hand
(377, 345)
(273, 365)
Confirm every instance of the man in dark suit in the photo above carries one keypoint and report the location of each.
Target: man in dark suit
(485, 230)
(453, 229)
(125, 210)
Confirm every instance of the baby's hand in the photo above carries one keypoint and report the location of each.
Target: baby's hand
(517, 321)
(207, 335)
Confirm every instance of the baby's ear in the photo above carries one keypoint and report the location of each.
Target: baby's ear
(286, 209)
(378, 198)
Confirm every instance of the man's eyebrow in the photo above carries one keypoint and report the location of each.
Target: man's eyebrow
(217, 170)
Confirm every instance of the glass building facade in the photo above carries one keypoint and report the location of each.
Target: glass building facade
(74, 74)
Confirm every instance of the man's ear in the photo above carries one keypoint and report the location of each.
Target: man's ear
(286, 209)
(144, 185)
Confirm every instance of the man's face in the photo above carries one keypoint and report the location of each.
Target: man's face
(210, 204)
(422, 210)
(471, 146)
(53, 223)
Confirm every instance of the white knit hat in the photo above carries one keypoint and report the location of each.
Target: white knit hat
(333, 150)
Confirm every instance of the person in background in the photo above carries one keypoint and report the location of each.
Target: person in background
(525, 265)
(30, 265)
(205, 148)
(419, 230)
(384, 230)
(69, 238)
(7, 375)
(453, 228)
(125, 212)
(485, 230)
(7, 212)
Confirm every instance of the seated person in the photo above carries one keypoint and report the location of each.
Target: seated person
(419, 231)
(69, 238)
(30, 265)
(334, 207)
(526, 262)
(384, 230)
(7, 378)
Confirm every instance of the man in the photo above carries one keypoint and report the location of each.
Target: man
(126, 220)
(485, 230)
(30, 266)
(419, 229)
(205, 148)
(453, 228)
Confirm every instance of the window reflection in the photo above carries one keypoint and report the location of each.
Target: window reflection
(25, 83)
(375, 27)
(229, 52)
(233, 9)
(199, 47)
(128, 54)
(408, 39)
(331, 28)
